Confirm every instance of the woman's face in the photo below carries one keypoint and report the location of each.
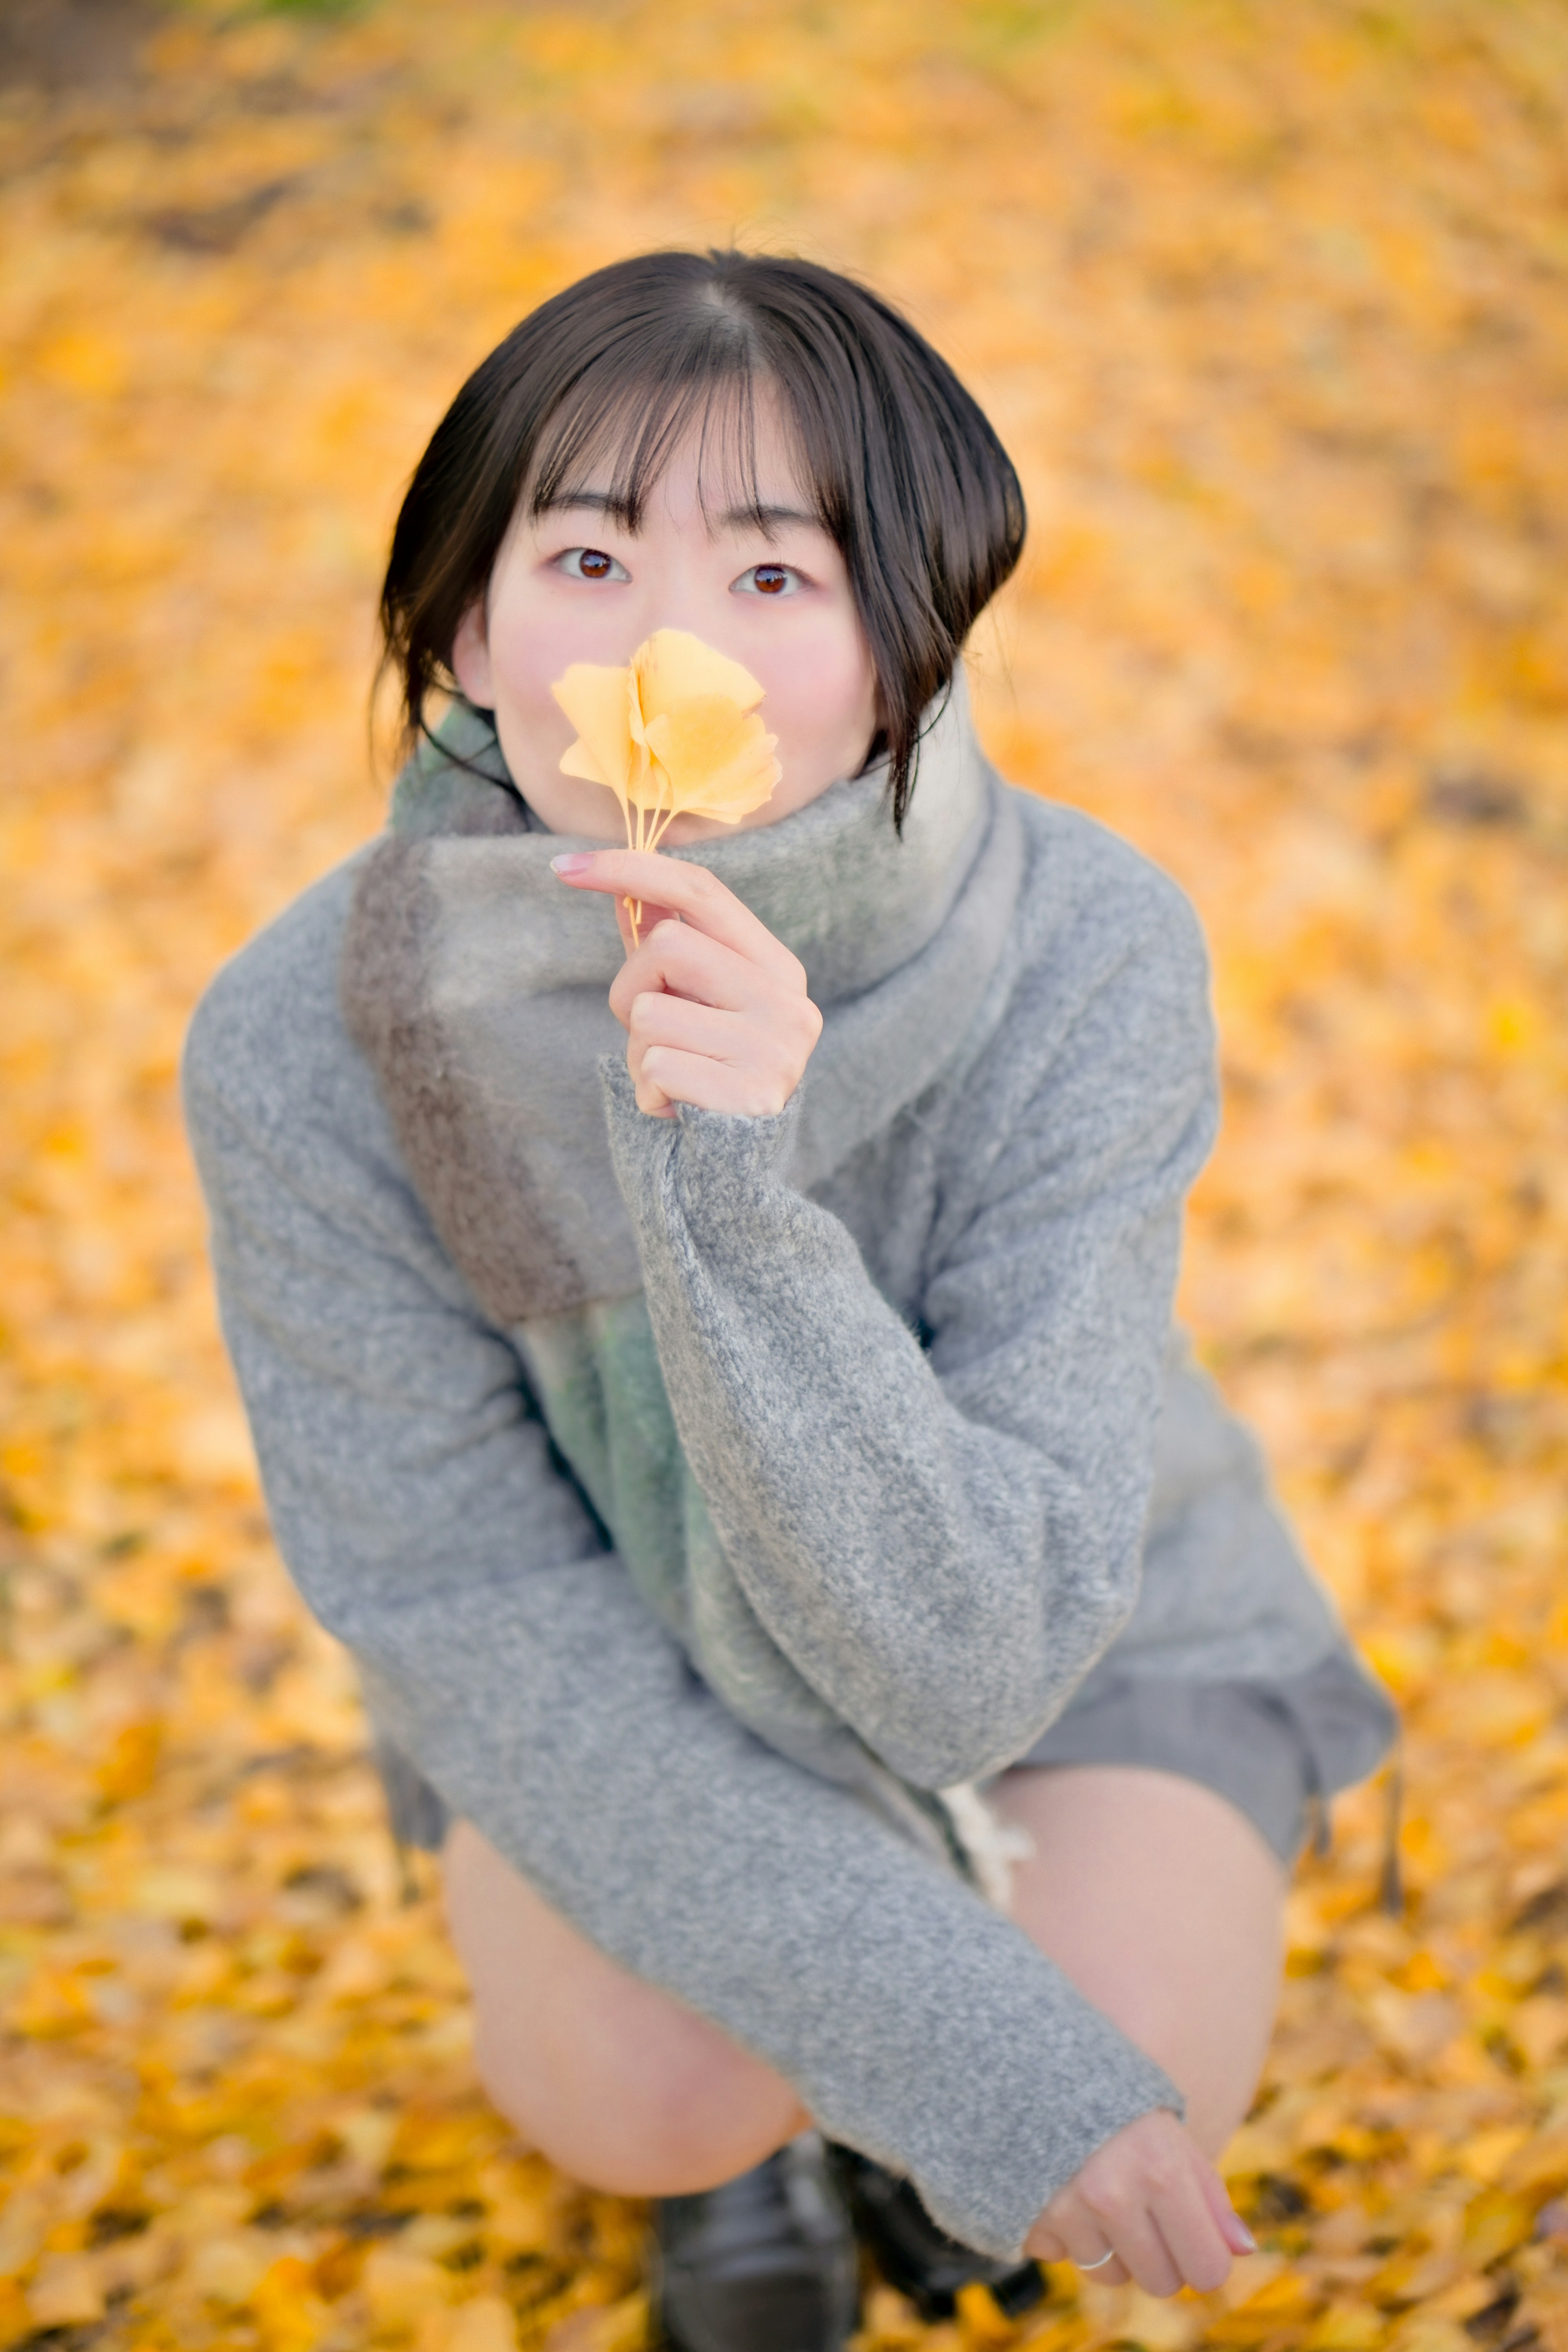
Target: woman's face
(570, 585)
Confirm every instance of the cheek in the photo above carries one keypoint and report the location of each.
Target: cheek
(821, 689)
(528, 649)
(537, 628)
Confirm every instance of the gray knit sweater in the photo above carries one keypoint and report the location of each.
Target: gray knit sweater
(919, 1384)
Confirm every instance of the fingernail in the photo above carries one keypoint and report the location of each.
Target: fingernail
(1243, 2240)
(571, 861)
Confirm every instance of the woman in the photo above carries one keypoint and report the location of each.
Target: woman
(720, 1383)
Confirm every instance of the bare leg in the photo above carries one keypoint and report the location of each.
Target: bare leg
(1165, 1906)
(617, 2083)
(1159, 1901)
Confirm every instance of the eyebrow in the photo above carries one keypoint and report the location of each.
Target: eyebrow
(766, 518)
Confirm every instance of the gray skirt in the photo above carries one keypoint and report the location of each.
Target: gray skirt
(1277, 1750)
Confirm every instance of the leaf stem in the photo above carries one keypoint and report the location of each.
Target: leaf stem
(633, 906)
(652, 823)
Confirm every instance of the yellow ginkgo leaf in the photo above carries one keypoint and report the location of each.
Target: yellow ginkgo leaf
(598, 703)
(673, 667)
(719, 759)
(674, 733)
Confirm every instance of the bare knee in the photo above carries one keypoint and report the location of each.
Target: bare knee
(671, 2117)
(616, 2081)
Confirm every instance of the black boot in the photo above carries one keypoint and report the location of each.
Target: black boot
(763, 2263)
(917, 2257)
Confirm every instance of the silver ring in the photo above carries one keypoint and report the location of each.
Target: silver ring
(1100, 2264)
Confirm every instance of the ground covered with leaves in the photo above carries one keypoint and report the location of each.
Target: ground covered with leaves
(1272, 305)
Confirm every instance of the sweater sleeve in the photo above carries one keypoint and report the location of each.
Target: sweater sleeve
(416, 1502)
(943, 1539)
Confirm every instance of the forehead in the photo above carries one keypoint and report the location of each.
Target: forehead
(732, 448)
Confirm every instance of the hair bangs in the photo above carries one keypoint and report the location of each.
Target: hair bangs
(622, 423)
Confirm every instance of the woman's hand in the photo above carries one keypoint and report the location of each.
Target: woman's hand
(1149, 2198)
(714, 1008)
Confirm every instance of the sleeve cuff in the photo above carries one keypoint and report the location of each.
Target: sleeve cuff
(716, 1161)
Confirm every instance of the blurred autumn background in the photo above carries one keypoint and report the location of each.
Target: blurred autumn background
(1270, 302)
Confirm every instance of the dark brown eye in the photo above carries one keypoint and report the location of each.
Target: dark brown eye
(595, 565)
(771, 579)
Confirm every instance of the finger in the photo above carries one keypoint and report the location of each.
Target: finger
(1130, 2230)
(1113, 2273)
(649, 1097)
(699, 896)
(693, 1028)
(774, 1049)
(1144, 2256)
(690, 1029)
(1067, 2232)
(1231, 2227)
(676, 958)
(1192, 2233)
(647, 914)
(707, 1085)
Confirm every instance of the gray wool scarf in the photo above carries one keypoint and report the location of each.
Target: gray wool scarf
(476, 984)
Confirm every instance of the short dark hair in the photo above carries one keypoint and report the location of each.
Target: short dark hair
(903, 469)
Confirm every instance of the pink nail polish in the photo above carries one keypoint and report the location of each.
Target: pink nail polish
(571, 861)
